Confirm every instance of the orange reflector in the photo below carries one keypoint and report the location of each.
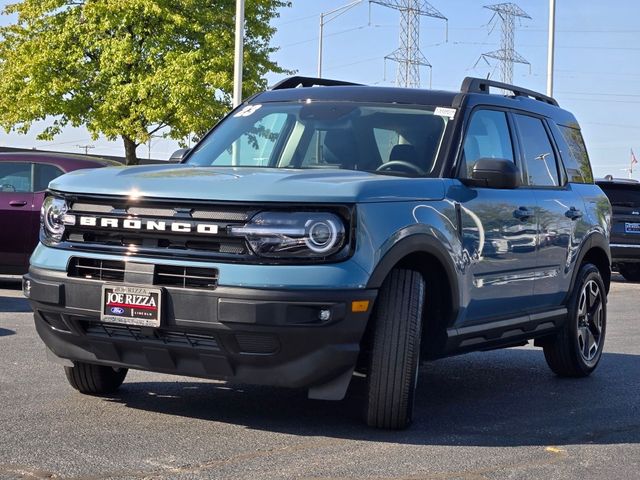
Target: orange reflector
(360, 306)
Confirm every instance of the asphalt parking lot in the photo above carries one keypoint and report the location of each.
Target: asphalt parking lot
(500, 414)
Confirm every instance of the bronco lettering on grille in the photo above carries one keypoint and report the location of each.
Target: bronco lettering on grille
(156, 225)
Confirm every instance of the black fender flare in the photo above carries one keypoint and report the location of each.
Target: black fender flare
(593, 240)
(419, 243)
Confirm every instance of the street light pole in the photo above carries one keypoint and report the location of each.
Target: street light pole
(320, 45)
(326, 17)
(551, 46)
(237, 68)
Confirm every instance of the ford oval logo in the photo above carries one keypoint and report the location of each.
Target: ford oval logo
(117, 310)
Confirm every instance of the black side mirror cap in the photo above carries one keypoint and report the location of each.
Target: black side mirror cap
(179, 154)
(494, 173)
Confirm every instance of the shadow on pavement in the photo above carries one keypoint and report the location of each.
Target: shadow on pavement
(4, 332)
(501, 398)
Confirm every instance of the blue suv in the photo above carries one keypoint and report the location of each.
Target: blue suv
(324, 229)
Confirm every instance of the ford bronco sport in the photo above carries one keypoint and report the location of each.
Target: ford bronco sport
(624, 195)
(325, 228)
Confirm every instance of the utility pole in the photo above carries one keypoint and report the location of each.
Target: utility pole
(507, 55)
(408, 55)
(239, 49)
(86, 148)
(551, 46)
(325, 18)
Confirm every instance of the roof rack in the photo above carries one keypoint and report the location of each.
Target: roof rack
(293, 82)
(481, 85)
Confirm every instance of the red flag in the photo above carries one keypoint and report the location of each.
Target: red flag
(633, 158)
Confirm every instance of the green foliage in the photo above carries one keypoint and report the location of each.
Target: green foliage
(129, 68)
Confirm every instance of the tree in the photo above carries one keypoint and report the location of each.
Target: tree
(128, 68)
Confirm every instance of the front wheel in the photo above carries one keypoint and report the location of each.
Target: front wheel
(393, 363)
(94, 379)
(576, 350)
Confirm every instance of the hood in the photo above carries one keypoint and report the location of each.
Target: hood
(248, 184)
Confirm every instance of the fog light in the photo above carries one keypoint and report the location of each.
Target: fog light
(324, 315)
(26, 288)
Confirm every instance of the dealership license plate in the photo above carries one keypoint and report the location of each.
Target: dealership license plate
(631, 227)
(131, 305)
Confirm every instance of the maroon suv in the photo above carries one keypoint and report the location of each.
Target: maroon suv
(23, 180)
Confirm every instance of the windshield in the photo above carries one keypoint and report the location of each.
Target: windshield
(400, 140)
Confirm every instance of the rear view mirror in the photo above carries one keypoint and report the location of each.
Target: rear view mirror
(494, 173)
(179, 154)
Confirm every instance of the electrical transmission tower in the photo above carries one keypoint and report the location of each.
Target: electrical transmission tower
(507, 54)
(408, 55)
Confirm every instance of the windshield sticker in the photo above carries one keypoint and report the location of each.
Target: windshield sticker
(248, 110)
(445, 112)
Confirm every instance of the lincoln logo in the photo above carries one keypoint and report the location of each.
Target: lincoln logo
(149, 225)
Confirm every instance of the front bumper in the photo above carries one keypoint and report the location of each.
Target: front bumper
(258, 336)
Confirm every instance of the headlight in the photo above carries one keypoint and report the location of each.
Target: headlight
(296, 234)
(54, 217)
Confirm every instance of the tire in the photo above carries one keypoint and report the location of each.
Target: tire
(576, 350)
(394, 359)
(630, 272)
(94, 379)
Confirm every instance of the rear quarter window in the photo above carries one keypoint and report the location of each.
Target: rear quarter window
(574, 154)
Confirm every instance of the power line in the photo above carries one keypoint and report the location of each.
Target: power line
(615, 125)
(315, 39)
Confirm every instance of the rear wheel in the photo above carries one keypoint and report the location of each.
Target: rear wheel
(94, 379)
(576, 350)
(393, 364)
(630, 272)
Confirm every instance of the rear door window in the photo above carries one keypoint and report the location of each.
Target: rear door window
(44, 173)
(539, 155)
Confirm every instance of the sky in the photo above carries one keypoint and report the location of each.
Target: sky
(596, 75)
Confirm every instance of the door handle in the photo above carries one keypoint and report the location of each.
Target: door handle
(573, 213)
(17, 203)
(522, 213)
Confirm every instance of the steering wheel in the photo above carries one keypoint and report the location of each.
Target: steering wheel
(406, 166)
(7, 187)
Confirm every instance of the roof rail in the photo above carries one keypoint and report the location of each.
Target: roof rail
(293, 82)
(481, 85)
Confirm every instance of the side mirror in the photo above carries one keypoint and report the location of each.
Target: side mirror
(179, 154)
(494, 173)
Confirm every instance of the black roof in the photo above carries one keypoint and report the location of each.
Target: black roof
(474, 91)
(358, 93)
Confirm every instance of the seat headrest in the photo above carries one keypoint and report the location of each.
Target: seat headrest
(405, 153)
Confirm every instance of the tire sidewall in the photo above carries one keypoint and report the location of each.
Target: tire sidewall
(587, 272)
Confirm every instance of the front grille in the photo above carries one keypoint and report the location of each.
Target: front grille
(147, 238)
(257, 343)
(185, 277)
(163, 275)
(165, 337)
(93, 269)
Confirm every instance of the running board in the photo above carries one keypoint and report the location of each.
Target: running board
(509, 331)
